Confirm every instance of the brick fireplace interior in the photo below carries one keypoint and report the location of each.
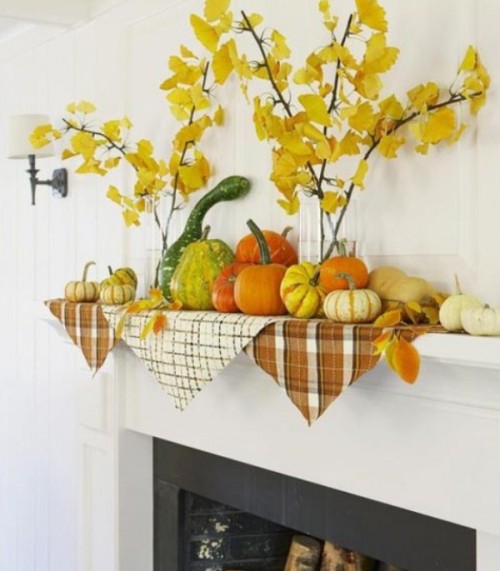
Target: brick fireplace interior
(215, 514)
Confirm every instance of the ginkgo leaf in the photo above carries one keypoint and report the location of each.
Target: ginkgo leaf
(112, 162)
(85, 107)
(131, 217)
(378, 57)
(368, 85)
(405, 360)
(206, 34)
(371, 14)
(67, 154)
(359, 176)
(391, 107)
(389, 145)
(114, 194)
(193, 176)
(290, 206)
(349, 145)
(222, 63)
(331, 202)
(254, 19)
(280, 49)
(363, 118)
(186, 52)
(316, 109)
(219, 116)
(469, 61)
(215, 9)
(112, 129)
(423, 95)
(440, 125)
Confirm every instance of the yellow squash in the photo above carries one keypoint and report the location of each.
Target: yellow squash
(302, 295)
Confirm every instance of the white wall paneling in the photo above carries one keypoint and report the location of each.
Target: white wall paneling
(62, 442)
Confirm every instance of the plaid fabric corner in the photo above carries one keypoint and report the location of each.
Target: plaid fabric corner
(88, 329)
(314, 360)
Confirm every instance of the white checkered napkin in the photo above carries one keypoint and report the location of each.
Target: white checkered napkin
(192, 349)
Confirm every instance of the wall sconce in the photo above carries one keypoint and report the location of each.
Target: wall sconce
(21, 127)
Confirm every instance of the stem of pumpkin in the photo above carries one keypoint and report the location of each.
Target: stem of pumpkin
(348, 278)
(86, 269)
(265, 258)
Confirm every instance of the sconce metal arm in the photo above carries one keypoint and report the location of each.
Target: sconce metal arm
(59, 181)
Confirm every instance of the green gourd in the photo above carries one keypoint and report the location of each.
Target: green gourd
(229, 188)
(196, 272)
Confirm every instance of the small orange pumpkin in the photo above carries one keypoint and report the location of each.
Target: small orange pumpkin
(330, 269)
(281, 251)
(223, 289)
(257, 287)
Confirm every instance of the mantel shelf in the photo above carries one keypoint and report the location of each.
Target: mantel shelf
(460, 349)
(452, 348)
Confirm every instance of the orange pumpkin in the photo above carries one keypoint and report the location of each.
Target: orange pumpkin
(223, 288)
(257, 287)
(343, 264)
(281, 250)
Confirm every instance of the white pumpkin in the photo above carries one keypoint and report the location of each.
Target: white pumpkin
(450, 311)
(353, 305)
(483, 320)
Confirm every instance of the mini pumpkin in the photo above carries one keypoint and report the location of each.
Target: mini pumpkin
(302, 295)
(450, 313)
(333, 268)
(120, 276)
(82, 291)
(117, 294)
(353, 306)
(223, 289)
(483, 320)
(281, 251)
(257, 287)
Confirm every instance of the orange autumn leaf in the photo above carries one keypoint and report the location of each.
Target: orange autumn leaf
(405, 360)
(388, 319)
(382, 342)
(160, 322)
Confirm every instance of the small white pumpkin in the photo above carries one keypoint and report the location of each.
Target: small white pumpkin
(483, 320)
(352, 305)
(451, 310)
(117, 294)
(82, 291)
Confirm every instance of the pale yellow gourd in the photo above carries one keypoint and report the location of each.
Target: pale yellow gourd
(352, 305)
(392, 284)
(484, 320)
(117, 294)
(82, 291)
(450, 313)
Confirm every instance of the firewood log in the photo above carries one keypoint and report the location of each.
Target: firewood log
(335, 558)
(304, 554)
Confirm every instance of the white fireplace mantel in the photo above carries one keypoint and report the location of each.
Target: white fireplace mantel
(432, 447)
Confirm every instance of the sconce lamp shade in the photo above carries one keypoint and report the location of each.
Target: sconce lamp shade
(20, 128)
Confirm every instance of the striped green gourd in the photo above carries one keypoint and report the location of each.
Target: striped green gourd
(229, 188)
(196, 272)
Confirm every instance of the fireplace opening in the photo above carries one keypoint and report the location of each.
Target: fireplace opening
(216, 514)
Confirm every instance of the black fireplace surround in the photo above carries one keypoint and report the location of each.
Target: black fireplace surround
(410, 540)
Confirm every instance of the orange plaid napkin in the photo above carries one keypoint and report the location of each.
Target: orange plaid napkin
(86, 325)
(314, 360)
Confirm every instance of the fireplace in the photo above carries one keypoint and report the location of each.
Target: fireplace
(189, 484)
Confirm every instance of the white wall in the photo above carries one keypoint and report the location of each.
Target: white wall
(440, 216)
